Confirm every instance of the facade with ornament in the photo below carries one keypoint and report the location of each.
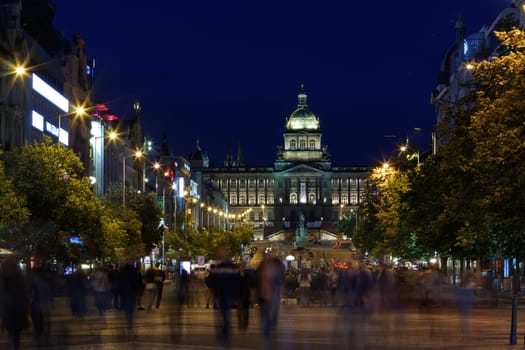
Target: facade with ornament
(301, 196)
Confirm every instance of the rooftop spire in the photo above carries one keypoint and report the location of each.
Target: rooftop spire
(301, 98)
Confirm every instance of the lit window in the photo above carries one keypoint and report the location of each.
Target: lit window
(251, 199)
(293, 145)
(293, 198)
(302, 144)
(312, 145)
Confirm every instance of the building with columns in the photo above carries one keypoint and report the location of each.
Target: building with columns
(301, 196)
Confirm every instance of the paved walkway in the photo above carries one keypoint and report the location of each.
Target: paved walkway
(411, 327)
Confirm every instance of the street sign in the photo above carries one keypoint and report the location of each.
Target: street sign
(200, 260)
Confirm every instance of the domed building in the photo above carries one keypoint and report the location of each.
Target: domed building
(302, 196)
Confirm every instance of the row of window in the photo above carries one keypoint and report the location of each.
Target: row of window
(241, 200)
(252, 183)
(302, 145)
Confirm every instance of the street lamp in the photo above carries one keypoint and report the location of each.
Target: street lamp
(156, 167)
(78, 112)
(137, 154)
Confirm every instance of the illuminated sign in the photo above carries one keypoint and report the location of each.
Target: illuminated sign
(194, 189)
(37, 120)
(61, 134)
(50, 94)
(180, 187)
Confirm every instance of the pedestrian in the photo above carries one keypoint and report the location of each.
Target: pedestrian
(77, 290)
(304, 280)
(225, 281)
(39, 285)
(130, 281)
(246, 284)
(210, 295)
(142, 288)
(334, 281)
(387, 284)
(100, 286)
(324, 287)
(270, 280)
(160, 277)
(113, 277)
(184, 287)
(363, 286)
(14, 305)
(150, 288)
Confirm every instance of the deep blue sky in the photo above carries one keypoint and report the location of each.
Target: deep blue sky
(229, 71)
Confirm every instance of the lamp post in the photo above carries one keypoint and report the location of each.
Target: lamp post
(78, 111)
(202, 214)
(137, 154)
(156, 167)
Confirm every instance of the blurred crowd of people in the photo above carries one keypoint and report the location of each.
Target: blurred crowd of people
(26, 298)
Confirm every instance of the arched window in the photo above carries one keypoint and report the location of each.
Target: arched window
(302, 144)
(312, 198)
(312, 144)
(242, 199)
(233, 199)
(293, 198)
(251, 199)
(293, 144)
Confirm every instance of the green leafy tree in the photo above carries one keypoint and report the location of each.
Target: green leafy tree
(498, 133)
(191, 243)
(49, 176)
(147, 210)
(13, 207)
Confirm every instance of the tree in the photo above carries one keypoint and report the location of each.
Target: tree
(147, 211)
(13, 207)
(498, 134)
(192, 243)
(49, 176)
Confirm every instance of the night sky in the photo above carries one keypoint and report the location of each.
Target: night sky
(227, 72)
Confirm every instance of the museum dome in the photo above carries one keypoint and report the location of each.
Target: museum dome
(302, 118)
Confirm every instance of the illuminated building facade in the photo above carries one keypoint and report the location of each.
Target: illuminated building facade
(475, 47)
(58, 76)
(302, 195)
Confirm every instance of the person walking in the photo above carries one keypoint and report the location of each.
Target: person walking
(246, 284)
(39, 285)
(225, 281)
(324, 287)
(130, 281)
(14, 305)
(184, 288)
(151, 288)
(304, 280)
(270, 280)
(77, 290)
(160, 277)
(100, 286)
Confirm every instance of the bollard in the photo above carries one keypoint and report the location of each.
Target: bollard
(514, 319)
